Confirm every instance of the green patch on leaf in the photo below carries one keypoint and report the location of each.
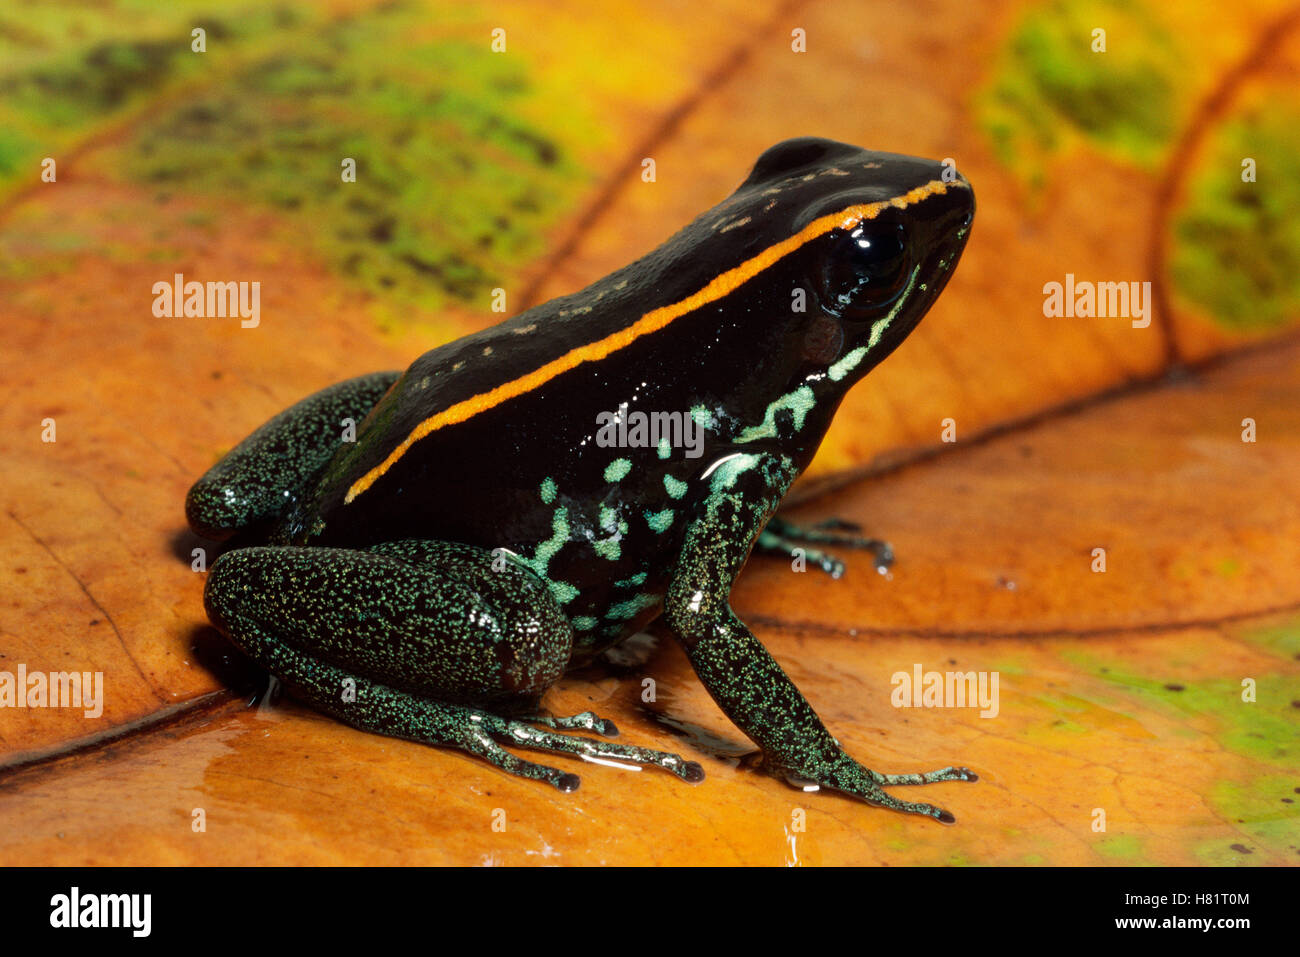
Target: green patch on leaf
(1120, 847)
(1262, 730)
(69, 71)
(1236, 245)
(1262, 801)
(1263, 811)
(458, 181)
(454, 189)
(1282, 639)
(1228, 567)
(1049, 87)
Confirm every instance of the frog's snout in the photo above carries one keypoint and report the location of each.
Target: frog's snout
(944, 223)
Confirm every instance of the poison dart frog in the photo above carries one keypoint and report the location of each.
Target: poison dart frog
(431, 579)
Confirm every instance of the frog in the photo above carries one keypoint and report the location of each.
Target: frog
(424, 553)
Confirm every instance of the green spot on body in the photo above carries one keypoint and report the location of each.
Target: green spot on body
(637, 579)
(546, 550)
(617, 470)
(548, 490)
(563, 592)
(608, 518)
(701, 417)
(674, 487)
(850, 361)
(583, 623)
(632, 607)
(665, 449)
(799, 403)
(660, 521)
(608, 548)
(725, 475)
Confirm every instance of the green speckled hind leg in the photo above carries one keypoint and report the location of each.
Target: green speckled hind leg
(781, 538)
(740, 674)
(261, 477)
(418, 640)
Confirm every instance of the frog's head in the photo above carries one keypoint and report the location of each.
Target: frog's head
(874, 238)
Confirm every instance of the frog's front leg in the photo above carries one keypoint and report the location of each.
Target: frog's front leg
(738, 671)
(429, 641)
(781, 538)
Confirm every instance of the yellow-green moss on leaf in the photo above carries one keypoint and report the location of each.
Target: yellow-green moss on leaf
(1236, 244)
(1050, 86)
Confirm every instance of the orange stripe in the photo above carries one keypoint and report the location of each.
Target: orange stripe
(652, 321)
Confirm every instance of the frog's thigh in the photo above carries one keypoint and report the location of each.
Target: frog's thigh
(262, 475)
(433, 619)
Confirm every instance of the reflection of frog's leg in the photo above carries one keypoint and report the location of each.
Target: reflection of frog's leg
(419, 640)
(262, 476)
(740, 674)
(781, 537)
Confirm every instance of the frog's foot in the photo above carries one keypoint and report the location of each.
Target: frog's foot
(586, 721)
(376, 707)
(851, 778)
(782, 537)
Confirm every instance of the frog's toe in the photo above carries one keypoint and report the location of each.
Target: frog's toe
(601, 752)
(849, 777)
(832, 531)
(878, 798)
(563, 781)
(477, 740)
(832, 566)
(929, 777)
(586, 721)
(838, 525)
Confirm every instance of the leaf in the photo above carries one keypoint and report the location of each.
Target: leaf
(1119, 691)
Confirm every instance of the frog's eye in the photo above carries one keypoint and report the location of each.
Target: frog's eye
(865, 269)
